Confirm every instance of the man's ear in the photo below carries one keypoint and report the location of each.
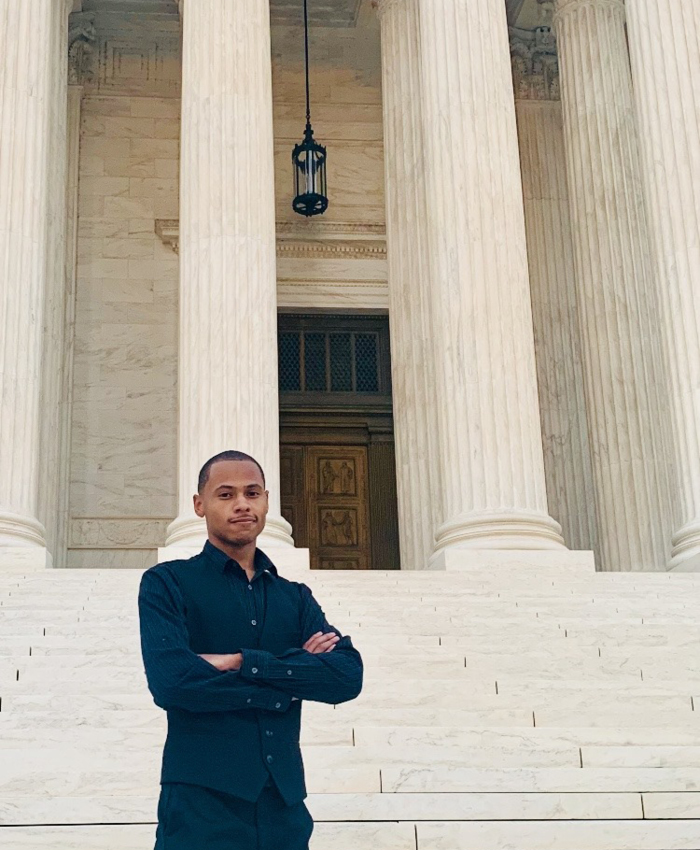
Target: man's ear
(198, 505)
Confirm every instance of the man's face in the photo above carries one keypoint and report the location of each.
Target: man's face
(234, 502)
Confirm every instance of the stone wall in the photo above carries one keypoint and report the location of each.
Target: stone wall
(123, 459)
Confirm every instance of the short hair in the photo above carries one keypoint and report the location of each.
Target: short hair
(230, 454)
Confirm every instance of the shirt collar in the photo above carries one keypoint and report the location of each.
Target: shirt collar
(220, 559)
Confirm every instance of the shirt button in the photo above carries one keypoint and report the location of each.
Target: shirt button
(269, 759)
(254, 622)
(250, 587)
(289, 672)
(249, 700)
(254, 670)
(268, 733)
(278, 705)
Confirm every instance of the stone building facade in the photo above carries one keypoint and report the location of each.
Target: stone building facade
(513, 183)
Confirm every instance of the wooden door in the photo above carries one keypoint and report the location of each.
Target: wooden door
(328, 503)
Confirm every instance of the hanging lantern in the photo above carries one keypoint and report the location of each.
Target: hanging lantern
(308, 157)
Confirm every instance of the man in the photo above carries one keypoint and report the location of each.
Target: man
(231, 649)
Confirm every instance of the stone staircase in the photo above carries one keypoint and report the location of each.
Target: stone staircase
(536, 708)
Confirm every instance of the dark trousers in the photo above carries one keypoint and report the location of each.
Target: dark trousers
(191, 817)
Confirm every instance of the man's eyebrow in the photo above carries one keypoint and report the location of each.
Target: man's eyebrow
(232, 487)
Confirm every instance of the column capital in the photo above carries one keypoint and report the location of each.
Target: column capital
(535, 63)
(564, 7)
(81, 36)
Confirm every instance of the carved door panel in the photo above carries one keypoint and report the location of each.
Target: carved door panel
(325, 496)
(338, 507)
(292, 492)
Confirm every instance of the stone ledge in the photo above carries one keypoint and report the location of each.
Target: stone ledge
(534, 561)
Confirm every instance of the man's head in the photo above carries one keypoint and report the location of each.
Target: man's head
(232, 498)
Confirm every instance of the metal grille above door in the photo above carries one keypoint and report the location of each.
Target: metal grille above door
(333, 355)
(337, 465)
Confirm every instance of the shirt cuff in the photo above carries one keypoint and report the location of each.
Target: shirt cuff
(254, 664)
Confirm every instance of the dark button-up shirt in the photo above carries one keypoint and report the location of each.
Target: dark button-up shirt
(230, 730)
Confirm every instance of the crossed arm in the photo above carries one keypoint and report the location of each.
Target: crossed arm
(327, 668)
(179, 678)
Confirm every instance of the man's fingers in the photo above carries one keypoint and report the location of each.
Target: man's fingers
(324, 643)
(321, 643)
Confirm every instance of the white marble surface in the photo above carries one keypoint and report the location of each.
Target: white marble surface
(342, 836)
(410, 293)
(601, 835)
(664, 41)
(353, 808)
(33, 97)
(430, 744)
(567, 459)
(227, 252)
(624, 377)
(490, 461)
(597, 780)
(123, 452)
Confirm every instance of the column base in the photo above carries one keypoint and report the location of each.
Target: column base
(685, 552)
(23, 543)
(523, 562)
(24, 558)
(500, 530)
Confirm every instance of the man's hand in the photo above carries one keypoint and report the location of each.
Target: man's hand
(321, 642)
(225, 662)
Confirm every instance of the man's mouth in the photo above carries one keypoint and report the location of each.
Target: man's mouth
(249, 520)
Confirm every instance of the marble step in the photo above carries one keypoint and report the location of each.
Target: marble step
(94, 755)
(559, 835)
(20, 779)
(595, 703)
(40, 809)
(634, 757)
(440, 779)
(150, 733)
(373, 656)
(423, 835)
(340, 836)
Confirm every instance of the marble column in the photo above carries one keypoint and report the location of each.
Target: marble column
(33, 40)
(409, 294)
(228, 394)
(567, 460)
(664, 38)
(60, 550)
(622, 355)
(489, 462)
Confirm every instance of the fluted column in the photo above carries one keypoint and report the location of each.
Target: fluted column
(409, 289)
(567, 460)
(75, 94)
(228, 296)
(664, 38)
(615, 288)
(33, 40)
(489, 465)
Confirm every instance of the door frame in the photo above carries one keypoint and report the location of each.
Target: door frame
(374, 430)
